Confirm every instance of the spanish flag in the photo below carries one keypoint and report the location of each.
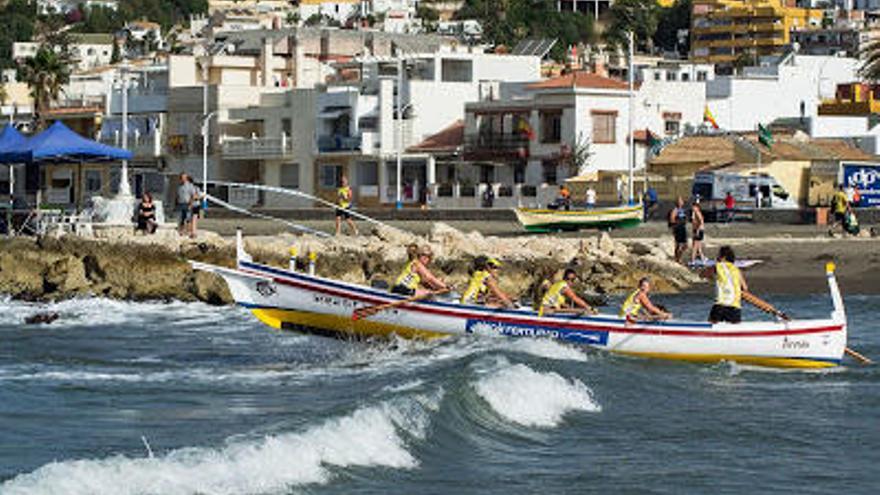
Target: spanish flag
(708, 117)
(524, 128)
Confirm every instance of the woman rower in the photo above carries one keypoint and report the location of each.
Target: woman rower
(555, 298)
(638, 305)
(416, 279)
(483, 287)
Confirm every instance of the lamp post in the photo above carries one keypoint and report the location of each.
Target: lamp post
(399, 146)
(630, 148)
(124, 186)
(205, 120)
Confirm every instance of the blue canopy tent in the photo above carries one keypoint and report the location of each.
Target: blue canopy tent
(10, 141)
(59, 144)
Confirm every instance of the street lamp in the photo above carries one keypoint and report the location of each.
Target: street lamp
(124, 186)
(206, 121)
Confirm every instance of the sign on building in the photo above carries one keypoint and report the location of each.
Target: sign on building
(866, 178)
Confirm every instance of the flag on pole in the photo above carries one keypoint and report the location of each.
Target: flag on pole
(523, 127)
(653, 141)
(708, 117)
(765, 137)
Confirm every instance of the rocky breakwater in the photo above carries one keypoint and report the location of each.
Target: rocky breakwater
(156, 268)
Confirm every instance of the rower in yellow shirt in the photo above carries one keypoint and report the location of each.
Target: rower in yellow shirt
(483, 287)
(554, 301)
(638, 306)
(416, 279)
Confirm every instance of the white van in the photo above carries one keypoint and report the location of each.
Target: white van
(711, 189)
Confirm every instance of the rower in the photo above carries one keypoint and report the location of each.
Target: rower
(729, 287)
(555, 298)
(483, 287)
(416, 279)
(638, 305)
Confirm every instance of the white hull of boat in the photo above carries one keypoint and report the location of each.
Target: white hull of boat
(290, 300)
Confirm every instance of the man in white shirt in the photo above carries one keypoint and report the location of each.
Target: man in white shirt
(591, 198)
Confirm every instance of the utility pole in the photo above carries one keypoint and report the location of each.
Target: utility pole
(399, 123)
(205, 122)
(124, 186)
(631, 148)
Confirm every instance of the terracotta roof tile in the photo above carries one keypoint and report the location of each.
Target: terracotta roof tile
(448, 139)
(581, 80)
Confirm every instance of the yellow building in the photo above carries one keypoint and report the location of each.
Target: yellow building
(725, 31)
(853, 99)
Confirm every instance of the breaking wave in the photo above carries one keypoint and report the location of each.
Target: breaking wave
(374, 436)
(527, 397)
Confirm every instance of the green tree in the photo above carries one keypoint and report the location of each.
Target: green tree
(638, 16)
(45, 74)
(670, 21)
(429, 17)
(116, 55)
(17, 19)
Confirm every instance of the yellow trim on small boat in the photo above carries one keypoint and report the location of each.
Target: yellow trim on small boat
(772, 362)
(341, 325)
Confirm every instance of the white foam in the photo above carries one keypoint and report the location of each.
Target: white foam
(370, 436)
(522, 395)
(545, 348)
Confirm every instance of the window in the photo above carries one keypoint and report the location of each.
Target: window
(701, 75)
(287, 127)
(93, 181)
(487, 174)
(452, 70)
(551, 127)
(519, 173)
(672, 127)
(368, 173)
(548, 172)
(331, 175)
(604, 127)
(685, 77)
(657, 76)
(670, 76)
(289, 176)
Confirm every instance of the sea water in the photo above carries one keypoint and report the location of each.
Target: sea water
(150, 398)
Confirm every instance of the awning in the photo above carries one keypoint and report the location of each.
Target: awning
(333, 112)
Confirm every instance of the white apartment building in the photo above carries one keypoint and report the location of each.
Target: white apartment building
(523, 143)
(89, 50)
(790, 86)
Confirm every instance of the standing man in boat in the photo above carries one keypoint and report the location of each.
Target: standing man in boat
(729, 287)
(638, 305)
(555, 298)
(677, 221)
(483, 287)
(416, 279)
(343, 204)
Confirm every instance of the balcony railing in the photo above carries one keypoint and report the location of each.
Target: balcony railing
(148, 145)
(338, 143)
(257, 148)
(479, 146)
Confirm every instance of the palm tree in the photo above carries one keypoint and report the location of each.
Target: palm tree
(45, 74)
(870, 56)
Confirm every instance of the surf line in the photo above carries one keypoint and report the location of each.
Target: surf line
(243, 211)
(293, 192)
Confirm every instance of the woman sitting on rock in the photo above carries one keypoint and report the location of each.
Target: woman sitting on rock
(416, 279)
(146, 216)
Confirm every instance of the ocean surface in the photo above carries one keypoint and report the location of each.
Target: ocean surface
(142, 398)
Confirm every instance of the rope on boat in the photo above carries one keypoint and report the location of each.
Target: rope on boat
(244, 211)
(293, 192)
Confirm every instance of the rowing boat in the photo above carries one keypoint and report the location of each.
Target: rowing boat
(290, 300)
(546, 220)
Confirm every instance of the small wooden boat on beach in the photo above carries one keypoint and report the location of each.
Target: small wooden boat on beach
(290, 300)
(547, 220)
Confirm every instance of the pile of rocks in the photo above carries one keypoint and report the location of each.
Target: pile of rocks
(137, 267)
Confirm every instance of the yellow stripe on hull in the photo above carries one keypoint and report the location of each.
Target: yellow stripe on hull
(772, 362)
(341, 325)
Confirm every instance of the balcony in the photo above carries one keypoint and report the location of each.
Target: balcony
(496, 146)
(339, 144)
(259, 148)
(141, 146)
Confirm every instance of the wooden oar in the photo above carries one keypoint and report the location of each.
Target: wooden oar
(371, 310)
(763, 305)
(857, 356)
